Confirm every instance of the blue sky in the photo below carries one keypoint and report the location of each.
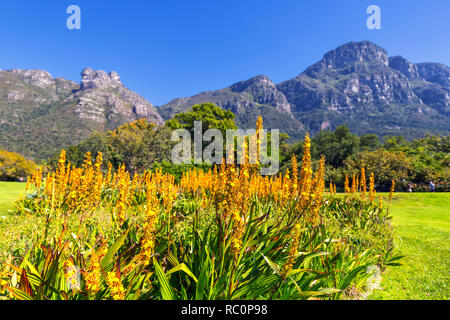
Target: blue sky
(167, 49)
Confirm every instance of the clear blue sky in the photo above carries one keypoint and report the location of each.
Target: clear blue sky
(167, 49)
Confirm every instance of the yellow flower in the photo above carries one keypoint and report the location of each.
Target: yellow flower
(293, 252)
(115, 286)
(391, 193)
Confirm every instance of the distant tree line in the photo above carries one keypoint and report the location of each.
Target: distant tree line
(144, 146)
(410, 163)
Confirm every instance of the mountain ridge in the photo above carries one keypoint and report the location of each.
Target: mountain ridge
(356, 82)
(40, 114)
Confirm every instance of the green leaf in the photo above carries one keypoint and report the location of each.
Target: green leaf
(293, 272)
(182, 267)
(108, 258)
(166, 290)
(272, 265)
(20, 294)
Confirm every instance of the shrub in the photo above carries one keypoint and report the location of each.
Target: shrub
(13, 166)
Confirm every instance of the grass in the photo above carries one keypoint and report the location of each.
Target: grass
(422, 227)
(15, 231)
(9, 192)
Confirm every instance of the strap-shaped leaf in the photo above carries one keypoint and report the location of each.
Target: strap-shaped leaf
(272, 265)
(20, 294)
(182, 267)
(166, 290)
(108, 258)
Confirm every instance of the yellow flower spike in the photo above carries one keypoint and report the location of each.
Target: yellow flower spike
(259, 128)
(346, 185)
(293, 252)
(305, 175)
(391, 192)
(115, 286)
(354, 187)
(372, 192)
(363, 183)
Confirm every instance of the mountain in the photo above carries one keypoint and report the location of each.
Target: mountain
(356, 84)
(40, 114)
(247, 100)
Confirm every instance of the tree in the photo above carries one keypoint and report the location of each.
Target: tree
(369, 142)
(394, 142)
(385, 164)
(336, 146)
(13, 166)
(211, 116)
(138, 145)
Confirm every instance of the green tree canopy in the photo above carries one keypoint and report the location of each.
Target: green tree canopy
(138, 145)
(369, 142)
(13, 166)
(211, 116)
(385, 164)
(336, 146)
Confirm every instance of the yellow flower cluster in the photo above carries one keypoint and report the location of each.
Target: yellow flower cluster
(372, 191)
(151, 219)
(293, 252)
(359, 184)
(75, 189)
(93, 273)
(346, 185)
(122, 180)
(115, 286)
(228, 188)
(363, 185)
(391, 193)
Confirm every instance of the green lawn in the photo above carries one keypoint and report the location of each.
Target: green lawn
(9, 192)
(422, 227)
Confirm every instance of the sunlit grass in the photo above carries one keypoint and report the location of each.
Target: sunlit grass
(9, 192)
(422, 224)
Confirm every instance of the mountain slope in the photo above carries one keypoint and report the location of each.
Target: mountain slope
(357, 84)
(247, 100)
(40, 114)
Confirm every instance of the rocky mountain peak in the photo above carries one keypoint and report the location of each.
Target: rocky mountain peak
(263, 91)
(99, 79)
(103, 98)
(434, 72)
(407, 68)
(347, 55)
(258, 81)
(34, 77)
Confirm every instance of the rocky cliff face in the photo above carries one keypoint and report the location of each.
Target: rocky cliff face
(356, 84)
(103, 98)
(239, 97)
(247, 99)
(40, 114)
(352, 78)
